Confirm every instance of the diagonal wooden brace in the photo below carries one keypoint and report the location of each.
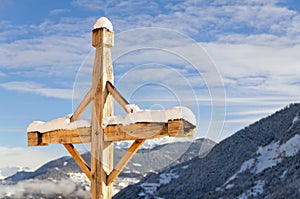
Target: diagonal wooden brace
(124, 160)
(82, 106)
(88, 98)
(117, 95)
(79, 160)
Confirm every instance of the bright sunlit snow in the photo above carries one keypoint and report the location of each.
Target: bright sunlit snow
(269, 156)
(103, 22)
(161, 116)
(60, 123)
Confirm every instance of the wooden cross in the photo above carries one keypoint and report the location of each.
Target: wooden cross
(70, 130)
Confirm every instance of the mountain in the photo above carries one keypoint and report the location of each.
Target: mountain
(259, 161)
(62, 178)
(9, 171)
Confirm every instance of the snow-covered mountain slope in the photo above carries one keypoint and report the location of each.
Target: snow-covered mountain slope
(259, 161)
(9, 171)
(62, 178)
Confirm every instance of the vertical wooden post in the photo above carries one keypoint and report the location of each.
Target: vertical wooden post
(101, 151)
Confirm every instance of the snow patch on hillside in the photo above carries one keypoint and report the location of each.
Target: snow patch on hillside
(121, 183)
(257, 189)
(295, 120)
(151, 188)
(269, 156)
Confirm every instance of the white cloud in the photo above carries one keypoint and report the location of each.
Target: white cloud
(207, 19)
(56, 53)
(32, 157)
(257, 68)
(66, 188)
(32, 87)
(51, 49)
(2, 74)
(91, 4)
(59, 11)
(255, 45)
(252, 112)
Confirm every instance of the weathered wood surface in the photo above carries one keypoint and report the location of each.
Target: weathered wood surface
(79, 160)
(102, 106)
(141, 130)
(82, 106)
(117, 96)
(81, 135)
(124, 160)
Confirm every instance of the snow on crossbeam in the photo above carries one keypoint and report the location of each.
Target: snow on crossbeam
(62, 123)
(148, 124)
(158, 116)
(142, 124)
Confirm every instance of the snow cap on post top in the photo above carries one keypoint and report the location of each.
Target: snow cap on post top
(103, 22)
(103, 34)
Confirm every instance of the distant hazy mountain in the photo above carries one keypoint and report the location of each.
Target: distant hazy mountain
(62, 178)
(259, 161)
(9, 171)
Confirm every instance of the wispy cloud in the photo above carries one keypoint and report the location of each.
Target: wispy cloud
(252, 112)
(66, 188)
(91, 4)
(59, 11)
(28, 156)
(254, 44)
(31, 87)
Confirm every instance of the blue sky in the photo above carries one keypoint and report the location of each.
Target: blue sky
(43, 44)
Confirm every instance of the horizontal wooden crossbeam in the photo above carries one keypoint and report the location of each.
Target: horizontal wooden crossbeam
(140, 130)
(78, 136)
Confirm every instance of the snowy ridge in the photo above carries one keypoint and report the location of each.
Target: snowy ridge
(9, 171)
(151, 143)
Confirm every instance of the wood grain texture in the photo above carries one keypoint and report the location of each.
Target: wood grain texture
(78, 136)
(117, 96)
(140, 130)
(124, 160)
(79, 160)
(82, 106)
(101, 151)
